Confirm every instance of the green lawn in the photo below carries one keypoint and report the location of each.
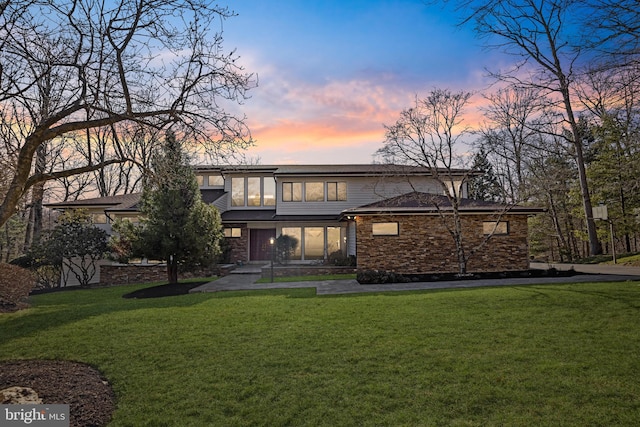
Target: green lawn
(555, 355)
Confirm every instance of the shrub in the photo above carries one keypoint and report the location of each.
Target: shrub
(340, 259)
(285, 247)
(371, 277)
(15, 285)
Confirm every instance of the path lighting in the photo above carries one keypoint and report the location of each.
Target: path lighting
(272, 241)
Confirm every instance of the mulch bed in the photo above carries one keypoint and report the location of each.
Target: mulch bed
(88, 394)
(168, 290)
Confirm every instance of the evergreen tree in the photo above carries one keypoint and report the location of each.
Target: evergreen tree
(177, 226)
(485, 186)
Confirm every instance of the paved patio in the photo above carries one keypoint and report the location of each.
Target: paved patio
(244, 278)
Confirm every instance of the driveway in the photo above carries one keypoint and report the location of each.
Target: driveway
(245, 279)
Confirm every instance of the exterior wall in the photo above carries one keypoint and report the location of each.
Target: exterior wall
(360, 191)
(124, 274)
(302, 270)
(425, 246)
(238, 246)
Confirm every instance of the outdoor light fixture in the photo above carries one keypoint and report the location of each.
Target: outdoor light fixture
(272, 241)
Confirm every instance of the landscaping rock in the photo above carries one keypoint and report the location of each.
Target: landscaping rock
(19, 396)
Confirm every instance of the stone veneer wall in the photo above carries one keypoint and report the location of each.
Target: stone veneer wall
(425, 246)
(124, 274)
(239, 246)
(305, 270)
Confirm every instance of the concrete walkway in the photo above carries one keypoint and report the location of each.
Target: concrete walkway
(244, 278)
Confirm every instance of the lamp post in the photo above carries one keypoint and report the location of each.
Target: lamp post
(272, 241)
(600, 212)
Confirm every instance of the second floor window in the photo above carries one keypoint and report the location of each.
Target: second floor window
(253, 191)
(314, 192)
(237, 192)
(291, 191)
(336, 191)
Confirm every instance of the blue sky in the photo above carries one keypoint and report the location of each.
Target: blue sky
(332, 73)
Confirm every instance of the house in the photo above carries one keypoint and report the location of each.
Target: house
(376, 213)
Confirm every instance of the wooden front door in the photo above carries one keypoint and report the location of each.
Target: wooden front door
(260, 248)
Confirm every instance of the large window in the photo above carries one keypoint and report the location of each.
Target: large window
(291, 191)
(336, 191)
(254, 193)
(334, 240)
(237, 191)
(295, 232)
(385, 228)
(314, 191)
(312, 241)
(269, 193)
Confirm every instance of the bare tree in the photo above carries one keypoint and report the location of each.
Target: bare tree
(614, 26)
(154, 63)
(430, 135)
(541, 35)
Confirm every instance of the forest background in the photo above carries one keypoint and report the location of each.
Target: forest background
(89, 89)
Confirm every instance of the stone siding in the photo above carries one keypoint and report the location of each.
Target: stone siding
(238, 246)
(125, 274)
(305, 270)
(424, 245)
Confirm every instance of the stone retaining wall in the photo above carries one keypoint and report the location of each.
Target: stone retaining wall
(305, 270)
(125, 274)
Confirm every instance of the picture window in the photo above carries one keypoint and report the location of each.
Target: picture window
(385, 229)
(490, 227)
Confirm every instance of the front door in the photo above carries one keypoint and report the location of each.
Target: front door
(260, 247)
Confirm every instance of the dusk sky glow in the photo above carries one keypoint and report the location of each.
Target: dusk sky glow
(332, 73)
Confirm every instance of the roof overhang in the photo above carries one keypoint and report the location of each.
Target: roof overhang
(248, 215)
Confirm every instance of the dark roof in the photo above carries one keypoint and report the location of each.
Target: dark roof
(317, 170)
(307, 218)
(252, 215)
(417, 202)
(123, 202)
(209, 196)
(126, 202)
(248, 215)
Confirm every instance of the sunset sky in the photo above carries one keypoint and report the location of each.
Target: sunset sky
(333, 72)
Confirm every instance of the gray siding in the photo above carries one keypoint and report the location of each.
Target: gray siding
(360, 191)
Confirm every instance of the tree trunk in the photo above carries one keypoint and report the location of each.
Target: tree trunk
(172, 270)
(595, 248)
